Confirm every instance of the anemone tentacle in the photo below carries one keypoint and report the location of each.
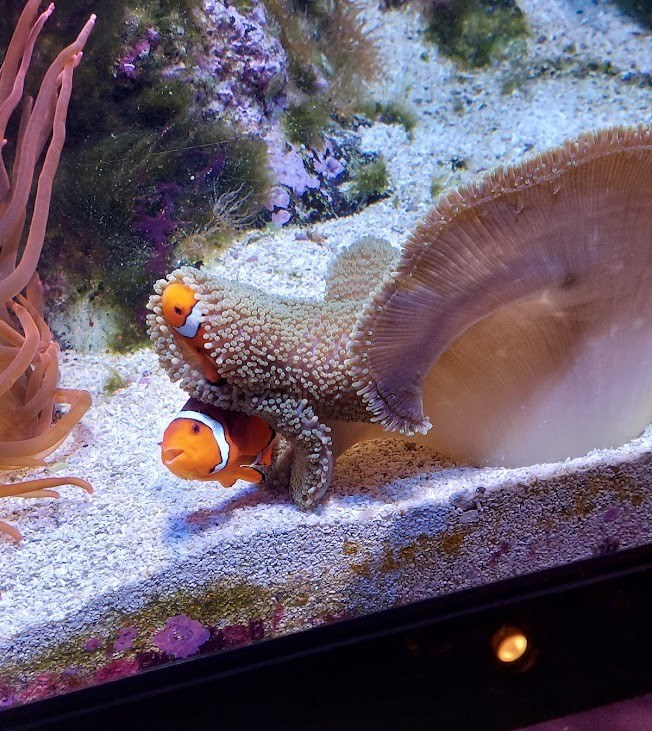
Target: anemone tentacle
(280, 358)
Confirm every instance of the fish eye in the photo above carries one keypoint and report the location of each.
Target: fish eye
(195, 429)
(178, 310)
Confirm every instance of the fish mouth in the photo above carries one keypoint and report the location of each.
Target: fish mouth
(169, 455)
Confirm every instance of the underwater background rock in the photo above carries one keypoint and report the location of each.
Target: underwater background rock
(399, 524)
(193, 121)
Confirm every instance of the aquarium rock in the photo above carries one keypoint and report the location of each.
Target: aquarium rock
(243, 63)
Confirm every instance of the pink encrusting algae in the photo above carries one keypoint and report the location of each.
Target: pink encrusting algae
(113, 658)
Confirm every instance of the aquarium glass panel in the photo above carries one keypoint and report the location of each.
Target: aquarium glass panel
(310, 309)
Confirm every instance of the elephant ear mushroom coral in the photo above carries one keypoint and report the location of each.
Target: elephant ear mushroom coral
(514, 327)
(521, 310)
(29, 369)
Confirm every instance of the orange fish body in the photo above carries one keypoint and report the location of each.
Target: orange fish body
(206, 443)
(182, 314)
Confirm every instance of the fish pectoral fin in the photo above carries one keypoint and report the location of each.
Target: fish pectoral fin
(250, 473)
(265, 457)
(227, 481)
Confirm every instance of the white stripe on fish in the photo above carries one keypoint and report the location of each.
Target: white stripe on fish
(190, 327)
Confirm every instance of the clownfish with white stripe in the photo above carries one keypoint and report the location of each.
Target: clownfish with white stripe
(207, 443)
(182, 313)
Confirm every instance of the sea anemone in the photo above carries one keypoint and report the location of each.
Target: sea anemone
(510, 330)
(29, 369)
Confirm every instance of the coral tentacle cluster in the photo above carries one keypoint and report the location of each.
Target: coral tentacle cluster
(515, 325)
(29, 369)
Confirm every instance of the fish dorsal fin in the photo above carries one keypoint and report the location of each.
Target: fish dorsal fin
(568, 232)
(359, 269)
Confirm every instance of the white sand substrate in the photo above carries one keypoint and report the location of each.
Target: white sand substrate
(399, 523)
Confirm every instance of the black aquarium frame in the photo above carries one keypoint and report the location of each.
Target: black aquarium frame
(428, 665)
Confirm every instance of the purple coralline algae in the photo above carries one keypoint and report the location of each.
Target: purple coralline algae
(311, 176)
(297, 171)
(126, 638)
(256, 630)
(247, 61)
(611, 513)
(236, 635)
(244, 69)
(151, 658)
(127, 65)
(93, 644)
(45, 685)
(281, 217)
(181, 636)
(326, 164)
(287, 164)
(7, 697)
(278, 197)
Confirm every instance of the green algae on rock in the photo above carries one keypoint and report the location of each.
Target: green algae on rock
(305, 122)
(370, 181)
(217, 605)
(474, 32)
(114, 383)
(136, 129)
(177, 107)
(329, 47)
(391, 112)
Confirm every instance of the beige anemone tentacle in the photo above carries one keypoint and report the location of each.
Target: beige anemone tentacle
(29, 369)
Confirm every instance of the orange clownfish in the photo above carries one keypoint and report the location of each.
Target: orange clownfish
(204, 442)
(183, 315)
